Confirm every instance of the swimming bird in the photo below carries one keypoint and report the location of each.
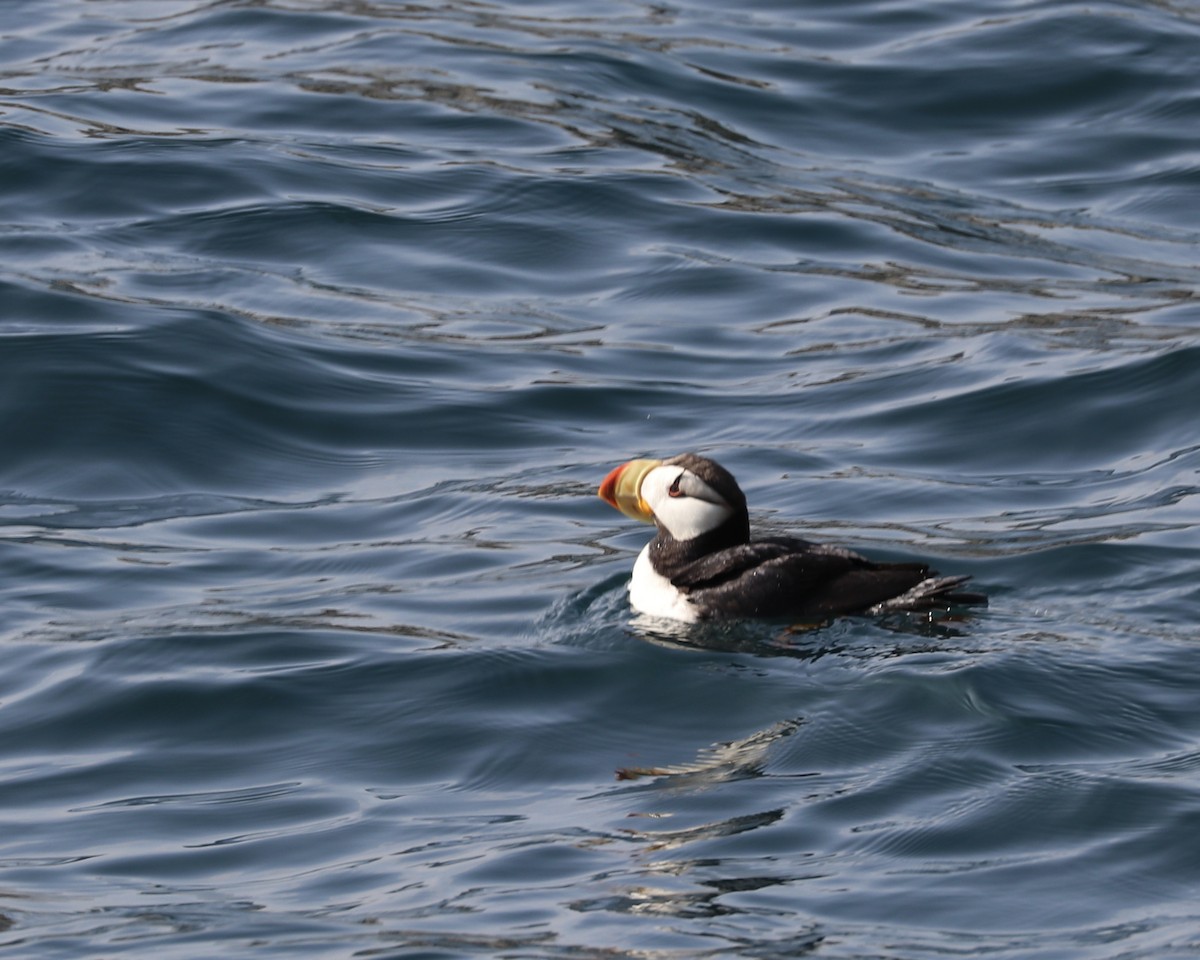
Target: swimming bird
(703, 565)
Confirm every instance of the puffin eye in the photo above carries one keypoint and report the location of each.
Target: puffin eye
(674, 490)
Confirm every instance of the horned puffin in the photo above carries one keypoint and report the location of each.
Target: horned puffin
(702, 564)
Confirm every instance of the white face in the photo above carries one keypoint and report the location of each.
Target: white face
(682, 502)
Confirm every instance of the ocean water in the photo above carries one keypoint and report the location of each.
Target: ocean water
(321, 321)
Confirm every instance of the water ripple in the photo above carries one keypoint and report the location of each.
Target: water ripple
(322, 321)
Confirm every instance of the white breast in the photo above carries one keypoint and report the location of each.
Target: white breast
(653, 594)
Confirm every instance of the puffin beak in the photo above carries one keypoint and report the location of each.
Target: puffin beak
(623, 489)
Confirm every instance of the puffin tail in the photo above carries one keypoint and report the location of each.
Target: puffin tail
(932, 593)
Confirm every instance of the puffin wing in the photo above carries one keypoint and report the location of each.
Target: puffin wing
(732, 563)
(782, 577)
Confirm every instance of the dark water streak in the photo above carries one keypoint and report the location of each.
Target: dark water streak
(319, 323)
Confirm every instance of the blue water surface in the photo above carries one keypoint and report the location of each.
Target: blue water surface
(321, 321)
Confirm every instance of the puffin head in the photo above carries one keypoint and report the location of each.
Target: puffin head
(686, 496)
